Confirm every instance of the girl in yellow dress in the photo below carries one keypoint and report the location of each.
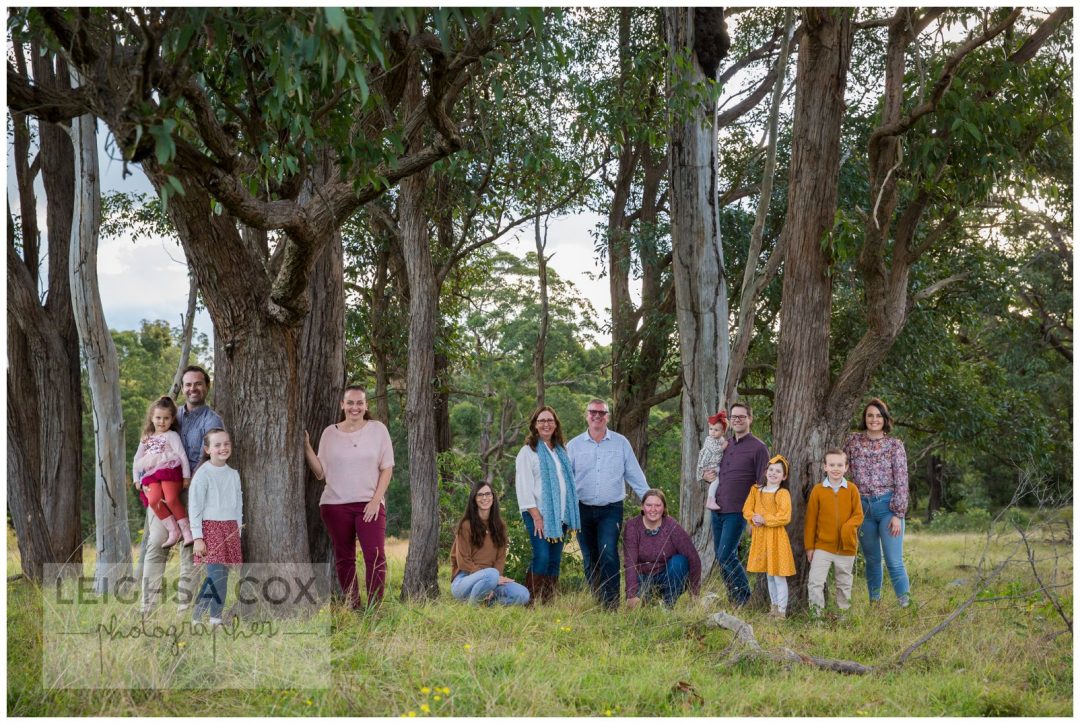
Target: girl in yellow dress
(768, 510)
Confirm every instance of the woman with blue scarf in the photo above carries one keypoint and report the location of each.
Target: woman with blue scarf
(547, 499)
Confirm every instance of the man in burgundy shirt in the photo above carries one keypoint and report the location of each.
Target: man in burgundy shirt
(745, 461)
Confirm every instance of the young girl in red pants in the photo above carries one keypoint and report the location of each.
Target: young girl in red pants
(161, 469)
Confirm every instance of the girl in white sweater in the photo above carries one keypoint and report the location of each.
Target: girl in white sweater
(216, 505)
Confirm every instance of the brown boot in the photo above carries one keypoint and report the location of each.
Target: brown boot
(532, 584)
(550, 589)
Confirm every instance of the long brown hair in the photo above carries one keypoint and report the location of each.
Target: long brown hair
(478, 528)
(534, 436)
(164, 403)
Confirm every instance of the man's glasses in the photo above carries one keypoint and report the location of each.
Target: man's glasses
(597, 413)
(737, 418)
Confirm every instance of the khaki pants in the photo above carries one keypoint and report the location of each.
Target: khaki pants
(154, 559)
(819, 571)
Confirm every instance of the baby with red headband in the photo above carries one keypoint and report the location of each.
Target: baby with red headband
(712, 452)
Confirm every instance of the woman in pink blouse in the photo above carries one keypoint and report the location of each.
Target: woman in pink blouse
(356, 460)
(878, 465)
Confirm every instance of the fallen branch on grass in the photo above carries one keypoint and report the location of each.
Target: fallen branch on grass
(1038, 579)
(744, 632)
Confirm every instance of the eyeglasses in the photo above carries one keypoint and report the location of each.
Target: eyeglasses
(545, 421)
(485, 495)
(738, 418)
(597, 413)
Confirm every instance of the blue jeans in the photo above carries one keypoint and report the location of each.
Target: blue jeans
(874, 538)
(546, 557)
(672, 582)
(473, 587)
(213, 591)
(599, 540)
(727, 531)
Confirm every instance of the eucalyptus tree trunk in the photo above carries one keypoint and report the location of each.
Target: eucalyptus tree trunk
(322, 359)
(188, 320)
(24, 506)
(111, 534)
(698, 262)
(43, 343)
(422, 564)
(800, 428)
(545, 313)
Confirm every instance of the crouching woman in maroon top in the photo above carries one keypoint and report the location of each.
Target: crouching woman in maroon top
(658, 555)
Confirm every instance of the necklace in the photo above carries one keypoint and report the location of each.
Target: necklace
(349, 432)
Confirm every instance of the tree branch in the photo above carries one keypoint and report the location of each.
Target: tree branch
(944, 81)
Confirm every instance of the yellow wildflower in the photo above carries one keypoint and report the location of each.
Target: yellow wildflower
(437, 697)
(425, 690)
(468, 647)
(425, 708)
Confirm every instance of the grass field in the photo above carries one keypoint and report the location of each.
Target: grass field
(1005, 655)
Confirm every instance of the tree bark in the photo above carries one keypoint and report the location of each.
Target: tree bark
(188, 321)
(111, 534)
(545, 313)
(800, 429)
(43, 344)
(700, 282)
(421, 565)
(936, 497)
(322, 356)
(24, 506)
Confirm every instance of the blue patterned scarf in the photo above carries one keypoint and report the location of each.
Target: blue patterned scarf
(549, 503)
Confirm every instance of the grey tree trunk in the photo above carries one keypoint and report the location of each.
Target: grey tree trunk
(421, 564)
(111, 534)
(43, 344)
(322, 357)
(24, 507)
(188, 320)
(700, 283)
(545, 314)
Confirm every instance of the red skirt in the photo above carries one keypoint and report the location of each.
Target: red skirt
(222, 539)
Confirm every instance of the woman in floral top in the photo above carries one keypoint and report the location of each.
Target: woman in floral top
(878, 465)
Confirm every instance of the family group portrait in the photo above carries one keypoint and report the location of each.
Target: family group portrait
(539, 361)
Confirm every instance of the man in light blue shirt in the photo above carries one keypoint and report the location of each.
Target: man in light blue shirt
(603, 463)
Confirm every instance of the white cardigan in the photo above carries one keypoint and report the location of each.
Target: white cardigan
(527, 480)
(214, 494)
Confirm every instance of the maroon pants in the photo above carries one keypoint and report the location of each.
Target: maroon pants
(345, 524)
(163, 493)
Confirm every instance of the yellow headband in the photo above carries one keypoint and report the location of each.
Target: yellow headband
(783, 461)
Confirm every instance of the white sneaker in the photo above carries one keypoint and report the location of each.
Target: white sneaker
(215, 621)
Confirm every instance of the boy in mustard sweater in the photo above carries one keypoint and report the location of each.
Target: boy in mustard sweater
(833, 516)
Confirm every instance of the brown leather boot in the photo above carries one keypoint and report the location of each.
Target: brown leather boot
(550, 589)
(532, 583)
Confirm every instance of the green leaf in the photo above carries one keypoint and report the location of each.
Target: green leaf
(335, 19)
